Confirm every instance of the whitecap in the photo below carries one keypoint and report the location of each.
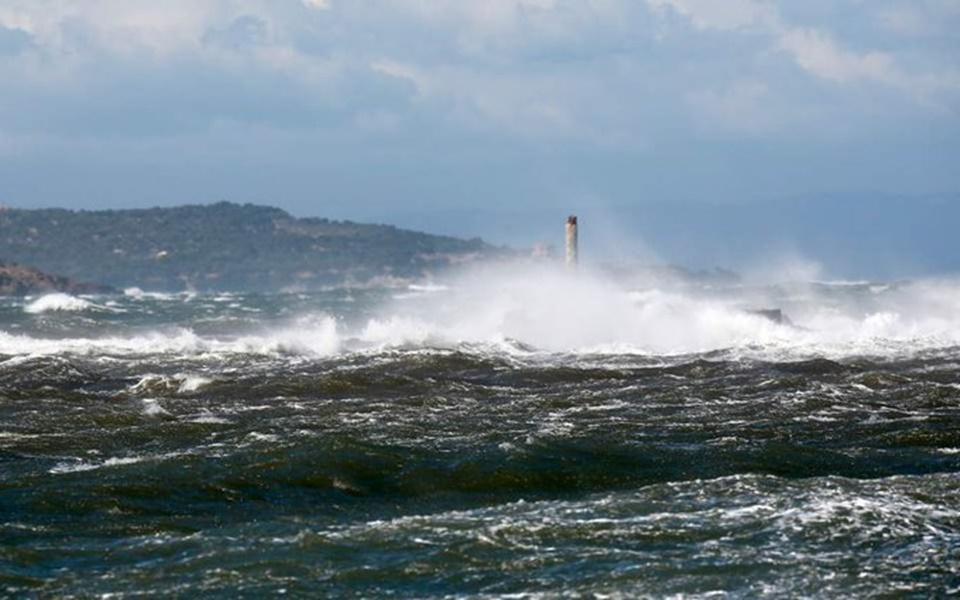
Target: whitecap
(79, 466)
(209, 419)
(192, 383)
(58, 302)
(152, 408)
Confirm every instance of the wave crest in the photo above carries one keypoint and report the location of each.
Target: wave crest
(58, 302)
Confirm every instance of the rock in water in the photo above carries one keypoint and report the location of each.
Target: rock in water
(773, 314)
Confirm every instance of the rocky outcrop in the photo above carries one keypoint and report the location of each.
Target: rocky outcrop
(17, 280)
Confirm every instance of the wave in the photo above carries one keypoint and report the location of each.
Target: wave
(736, 335)
(136, 293)
(522, 312)
(182, 383)
(58, 302)
(557, 311)
(309, 336)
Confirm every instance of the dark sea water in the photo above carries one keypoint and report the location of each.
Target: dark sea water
(413, 443)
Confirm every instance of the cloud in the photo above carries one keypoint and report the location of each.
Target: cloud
(818, 54)
(452, 77)
(728, 15)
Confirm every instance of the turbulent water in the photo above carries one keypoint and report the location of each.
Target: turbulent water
(516, 435)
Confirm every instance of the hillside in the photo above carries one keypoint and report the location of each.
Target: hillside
(17, 280)
(223, 246)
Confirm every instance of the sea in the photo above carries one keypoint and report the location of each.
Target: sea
(517, 432)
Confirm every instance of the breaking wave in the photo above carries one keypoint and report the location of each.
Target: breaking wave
(58, 302)
(546, 311)
(317, 338)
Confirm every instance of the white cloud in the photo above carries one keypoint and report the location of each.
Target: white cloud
(726, 15)
(12, 18)
(589, 70)
(121, 28)
(817, 53)
(317, 4)
(821, 56)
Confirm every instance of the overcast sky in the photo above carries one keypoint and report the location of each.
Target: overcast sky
(396, 109)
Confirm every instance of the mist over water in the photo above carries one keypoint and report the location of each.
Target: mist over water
(524, 307)
(518, 428)
(558, 310)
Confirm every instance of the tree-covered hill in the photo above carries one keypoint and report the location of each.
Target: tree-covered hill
(223, 246)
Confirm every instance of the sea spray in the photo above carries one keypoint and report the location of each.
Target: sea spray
(559, 311)
(58, 302)
(520, 306)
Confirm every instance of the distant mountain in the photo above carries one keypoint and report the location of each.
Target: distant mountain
(225, 246)
(17, 280)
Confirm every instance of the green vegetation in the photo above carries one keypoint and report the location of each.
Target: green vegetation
(224, 246)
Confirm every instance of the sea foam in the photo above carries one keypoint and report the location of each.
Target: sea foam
(546, 310)
(57, 302)
(584, 312)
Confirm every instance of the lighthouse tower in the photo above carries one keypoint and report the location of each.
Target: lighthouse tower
(572, 250)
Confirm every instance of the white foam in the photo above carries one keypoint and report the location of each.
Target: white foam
(192, 383)
(181, 341)
(560, 311)
(209, 419)
(152, 408)
(513, 309)
(316, 336)
(135, 293)
(313, 334)
(80, 466)
(58, 302)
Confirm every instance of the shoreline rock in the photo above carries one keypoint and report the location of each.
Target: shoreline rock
(18, 280)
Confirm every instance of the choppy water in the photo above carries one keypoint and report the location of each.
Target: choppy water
(371, 443)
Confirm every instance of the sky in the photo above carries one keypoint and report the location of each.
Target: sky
(497, 118)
